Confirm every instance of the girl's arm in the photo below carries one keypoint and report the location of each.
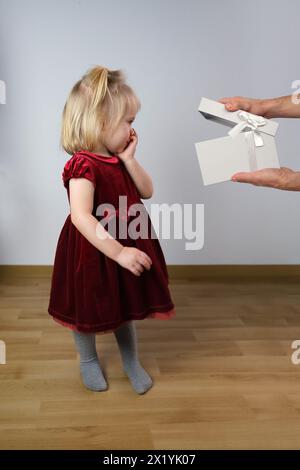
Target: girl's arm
(140, 178)
(81, 206)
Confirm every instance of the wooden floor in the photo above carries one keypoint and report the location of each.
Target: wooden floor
(222, 370)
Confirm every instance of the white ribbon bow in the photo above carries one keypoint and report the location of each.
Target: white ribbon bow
(253, 122)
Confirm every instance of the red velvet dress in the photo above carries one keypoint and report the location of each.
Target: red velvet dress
(90, 292)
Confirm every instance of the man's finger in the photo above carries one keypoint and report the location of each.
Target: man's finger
(229, 104)
(234, 104)
(245, 177)
(224, 100)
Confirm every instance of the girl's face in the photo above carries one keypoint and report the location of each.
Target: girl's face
(117, 139)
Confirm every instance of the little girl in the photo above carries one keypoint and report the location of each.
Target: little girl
(102, 283)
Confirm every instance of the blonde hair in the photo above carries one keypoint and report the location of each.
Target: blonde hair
(101, 98)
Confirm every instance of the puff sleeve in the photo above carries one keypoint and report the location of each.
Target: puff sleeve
(78, 167)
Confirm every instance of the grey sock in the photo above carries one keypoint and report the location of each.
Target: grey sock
(127, 342)
(90, 369)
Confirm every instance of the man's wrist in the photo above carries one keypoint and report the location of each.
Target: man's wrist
(293, 182)
(282, 106)
(271, 107)
(289, 180)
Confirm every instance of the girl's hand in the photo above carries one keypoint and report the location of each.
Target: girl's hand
(134, 260)
(129, 151)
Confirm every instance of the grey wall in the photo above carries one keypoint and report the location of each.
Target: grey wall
(173, 52)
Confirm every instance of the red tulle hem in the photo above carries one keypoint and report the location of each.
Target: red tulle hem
(156, 315)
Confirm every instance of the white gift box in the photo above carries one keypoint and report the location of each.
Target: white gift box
(249, 146)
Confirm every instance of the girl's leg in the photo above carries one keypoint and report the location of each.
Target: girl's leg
(127, 342)
(90, 369)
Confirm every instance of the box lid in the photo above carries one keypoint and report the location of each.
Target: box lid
(216, 111)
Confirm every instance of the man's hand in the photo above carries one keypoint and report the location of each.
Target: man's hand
(283, 106)
(279, 178)
(251, 105)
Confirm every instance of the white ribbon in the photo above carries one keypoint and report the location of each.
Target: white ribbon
(252, 154)
(251, 121)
